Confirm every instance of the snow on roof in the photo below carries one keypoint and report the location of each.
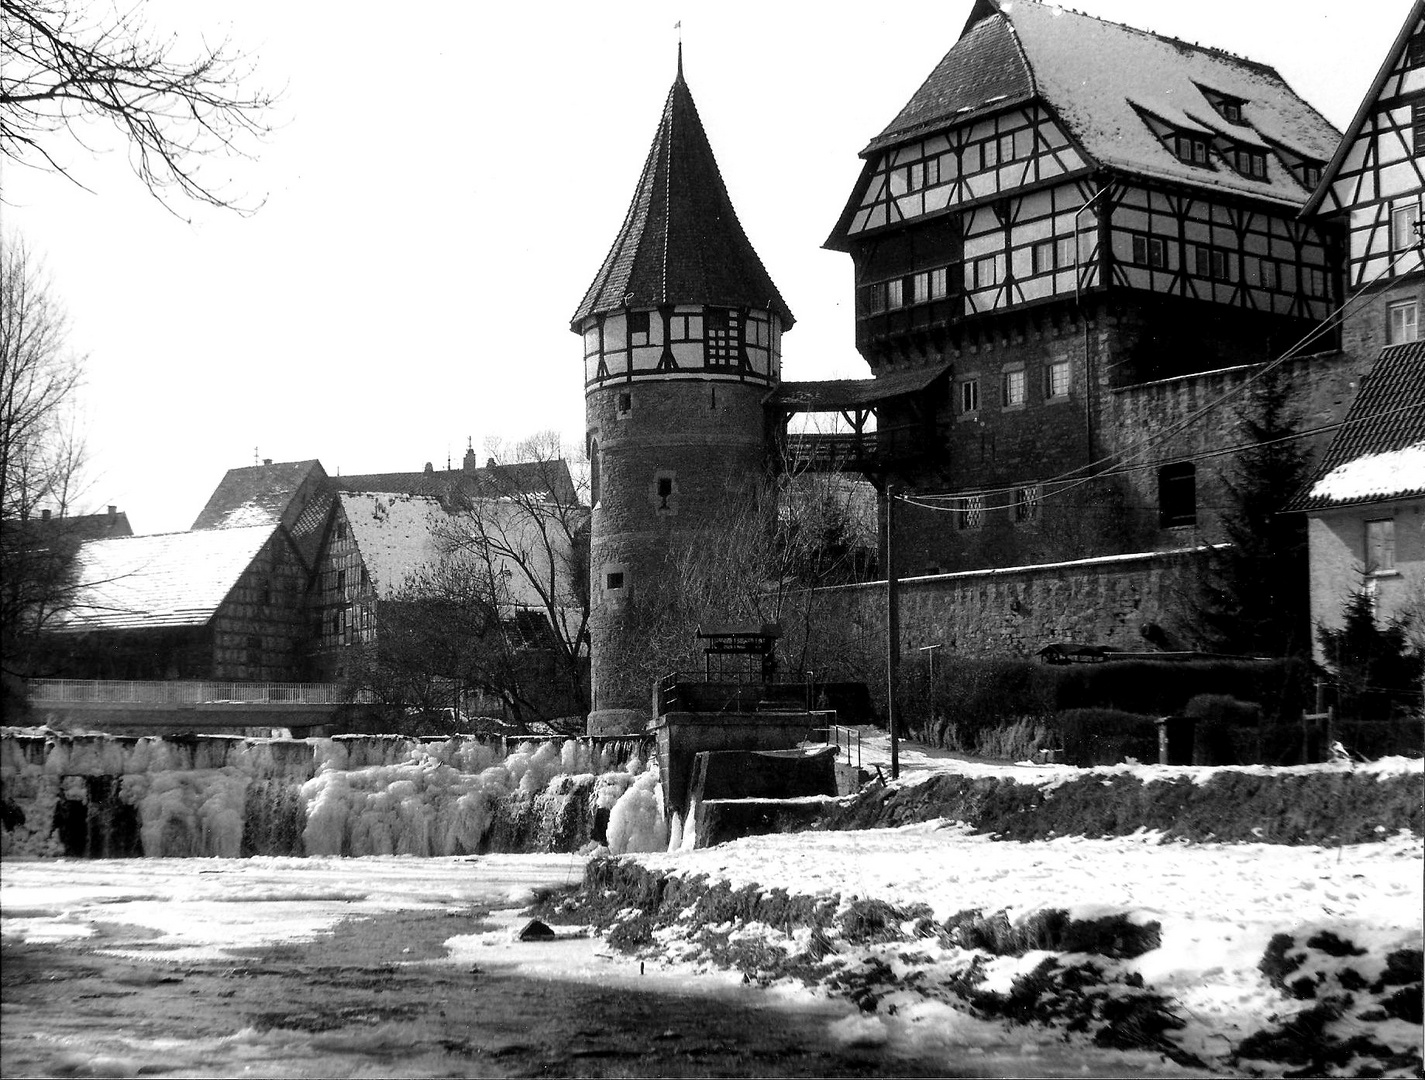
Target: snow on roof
(1091, 70)
(400, 534)
(167, 579)
(1375, 476)
(258, 494)
(1377, 452)
(1098, 75)
(396, 534)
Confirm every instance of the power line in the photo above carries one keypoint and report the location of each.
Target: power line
(1119, 461)
(1124, 469)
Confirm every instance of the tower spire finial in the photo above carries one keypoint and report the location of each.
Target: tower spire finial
(678, 26)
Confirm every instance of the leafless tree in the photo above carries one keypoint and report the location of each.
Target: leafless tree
(66, 62)
(759, 560)
(527, 523)
(41, 454)
(503, 610)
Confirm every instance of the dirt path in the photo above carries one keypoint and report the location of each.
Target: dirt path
(373, 999)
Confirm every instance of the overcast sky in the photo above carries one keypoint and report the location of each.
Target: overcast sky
(444, 183)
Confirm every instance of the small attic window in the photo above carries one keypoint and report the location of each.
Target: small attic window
(1251, 163)
(1310, 174)
(1231, 111)
(1191, 149)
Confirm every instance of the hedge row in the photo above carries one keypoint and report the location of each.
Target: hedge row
(974, 704)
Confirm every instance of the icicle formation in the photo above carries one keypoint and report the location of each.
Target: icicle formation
(351, 795)
(636, 822)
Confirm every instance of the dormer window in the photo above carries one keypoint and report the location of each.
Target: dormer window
(1251, 163)
(1310, 174)
(1227, 107)
(1191, 148)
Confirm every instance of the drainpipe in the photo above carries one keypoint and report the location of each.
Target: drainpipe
(1078, 305)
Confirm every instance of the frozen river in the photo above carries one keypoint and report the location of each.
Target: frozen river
(398, 966)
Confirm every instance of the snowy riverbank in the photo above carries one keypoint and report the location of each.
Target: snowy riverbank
(1119, 942)
(1240, 957)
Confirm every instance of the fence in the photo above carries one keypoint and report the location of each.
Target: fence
(158, 692)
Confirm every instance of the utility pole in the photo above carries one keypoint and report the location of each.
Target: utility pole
(893, 635)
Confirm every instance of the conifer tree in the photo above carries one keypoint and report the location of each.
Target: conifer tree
(1255, 599)
(1375, 666)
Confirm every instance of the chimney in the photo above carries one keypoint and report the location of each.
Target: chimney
(267, 461)
(113, 510)
(429, 467)
(44, 515)
(489, 463)
(471, 462)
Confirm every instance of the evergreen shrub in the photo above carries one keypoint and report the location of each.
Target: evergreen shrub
(1106, 736)
(1226, 730)
(975, 701)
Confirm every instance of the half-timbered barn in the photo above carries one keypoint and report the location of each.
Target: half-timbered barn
(227, 604)
(1073, 238)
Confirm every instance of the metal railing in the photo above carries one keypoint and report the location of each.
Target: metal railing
(197, 692)
(844, 737)
(733, 691)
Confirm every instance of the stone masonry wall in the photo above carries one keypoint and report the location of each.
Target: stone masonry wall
(1004, 612)
(705, 441)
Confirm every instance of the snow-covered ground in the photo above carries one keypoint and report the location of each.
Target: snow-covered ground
(1218, 906)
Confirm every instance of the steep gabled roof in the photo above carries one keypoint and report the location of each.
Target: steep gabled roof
(1379, 453)
(1367, 106)
(399, 535)
(1099, 77)
(986, 70)
(542, 479)
(681, 242)
(262, 495)
(161, 580)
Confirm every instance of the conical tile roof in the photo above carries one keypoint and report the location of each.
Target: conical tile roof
(681, 242)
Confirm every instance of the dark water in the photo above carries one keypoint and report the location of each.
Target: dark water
(373, 999)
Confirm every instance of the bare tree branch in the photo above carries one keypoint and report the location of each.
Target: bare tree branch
(41, 456)
(64, 63)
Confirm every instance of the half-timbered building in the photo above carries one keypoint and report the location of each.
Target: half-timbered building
(1366, 503)
(1372, 190)
(1073, 237)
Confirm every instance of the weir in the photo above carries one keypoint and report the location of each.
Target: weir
(106, 796)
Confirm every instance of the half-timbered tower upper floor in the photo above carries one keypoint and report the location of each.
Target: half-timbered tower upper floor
(681, 294)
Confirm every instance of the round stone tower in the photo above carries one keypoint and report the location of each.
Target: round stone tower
(682, 331)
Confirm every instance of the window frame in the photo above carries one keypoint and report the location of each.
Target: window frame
(1177, 495)
(1407, 213)
(1027, 498)
(967, 395)
(1379, 548)
(640, 324)
(1409, 330)
(1011, 378)
(1154, 251)
(971, 513)
(1050, 381)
